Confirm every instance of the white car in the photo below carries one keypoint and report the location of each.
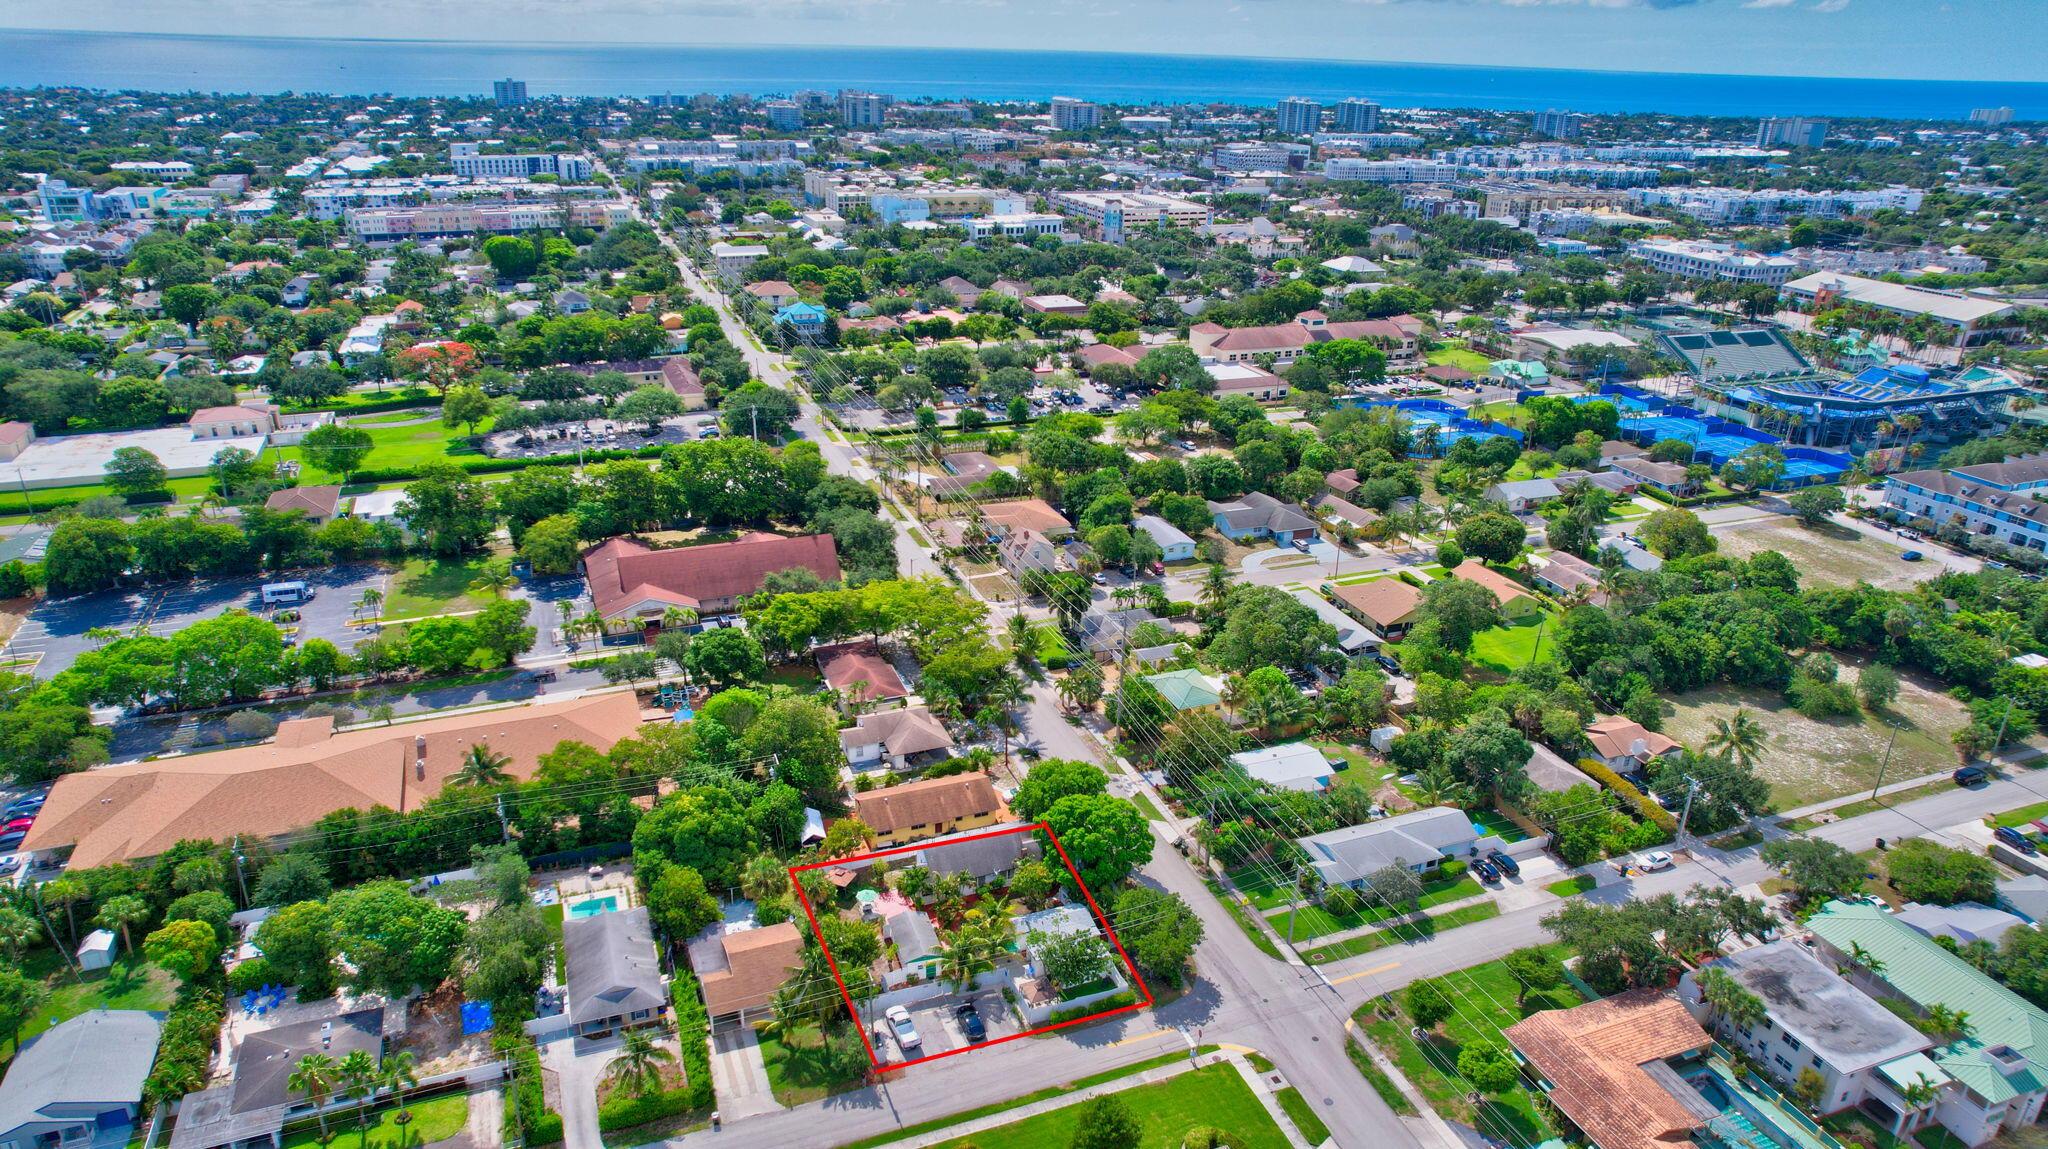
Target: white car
(10, 862)
(1653, 861)
(901, 1025)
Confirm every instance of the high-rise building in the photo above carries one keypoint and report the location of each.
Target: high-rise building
(1991, 117)
(509, 93)
(1299, 117)
(859, 109)
(1559, 125)
(1358, 115)
(1072, 115)
(1791, 132)
(784, 115)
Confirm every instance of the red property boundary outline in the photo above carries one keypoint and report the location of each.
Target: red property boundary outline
(853, 1012)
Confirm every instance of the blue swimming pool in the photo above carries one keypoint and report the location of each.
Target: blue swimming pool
(591, 907)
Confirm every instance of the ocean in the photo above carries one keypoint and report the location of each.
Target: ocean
(440, 68)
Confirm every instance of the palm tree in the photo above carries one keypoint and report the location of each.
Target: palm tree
(483, 766)
(359, 1080)
(764, 878)
(123, 912)
(1917, 1096)
(678, 617)
(496, 577)
(314, 1077)
(1739, 736)
(400, 1073)
(371, 599)
(1019, 629)
(1858, 956)
(1954, 1023)
(1727, 998)
(66, 892)
(1272, 710)
(638, 1066)
(1079, 690)
(102, 634)
(785, 1014)
(967, 955)
(1215, 586)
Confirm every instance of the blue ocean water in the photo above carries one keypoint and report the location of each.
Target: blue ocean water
(429, 68)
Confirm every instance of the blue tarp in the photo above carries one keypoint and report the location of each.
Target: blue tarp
(476, 1017)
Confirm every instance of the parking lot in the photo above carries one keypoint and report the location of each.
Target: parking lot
(56, 631)
(940, 1030)
(565, 439)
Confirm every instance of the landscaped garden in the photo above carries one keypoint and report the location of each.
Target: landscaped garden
(804, 1065)
(426, 1122)
(1314, 921)
(1166, 1112)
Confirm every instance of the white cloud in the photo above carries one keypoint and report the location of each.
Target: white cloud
(1769, 3)
(1830, 5)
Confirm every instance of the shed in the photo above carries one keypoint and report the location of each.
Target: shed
(97, 950)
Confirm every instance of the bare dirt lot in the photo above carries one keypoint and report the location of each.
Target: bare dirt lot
(1826, 555)
(1808, 761)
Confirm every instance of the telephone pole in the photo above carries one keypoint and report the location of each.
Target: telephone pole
(1692, 786)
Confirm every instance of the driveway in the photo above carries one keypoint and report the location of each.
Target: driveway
(941, 1031)
(579, 1065)
(739, 1074)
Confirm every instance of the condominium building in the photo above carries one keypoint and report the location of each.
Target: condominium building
(375, 224)
(2001, 500)
(1713, 261)
(1112, 214)
(1523, 199)
(154, 169)
(1072, 115)
(1299, 117)
(1407, 171)
(1991, 117)
(1558, 125)
(858, 109)
(783, 115)
(1791, 132)
(1358, 115)
(1018, 225)
(1146, 123)
(469, 161)
(1259, 157)
(509, 93)
(1768, 206)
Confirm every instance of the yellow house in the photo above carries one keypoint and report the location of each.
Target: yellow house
(915, 811)
(1516, 602)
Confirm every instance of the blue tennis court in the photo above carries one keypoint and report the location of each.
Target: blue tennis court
(1626, 404)
(1665, 427)
(1808, 469)
(1724, 447)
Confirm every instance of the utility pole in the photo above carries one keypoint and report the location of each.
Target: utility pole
(1887, 762)
(504, 827)
(240, 881)
(1692, 786)
(1294, 911)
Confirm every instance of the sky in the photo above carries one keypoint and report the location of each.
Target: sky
(1904, 39)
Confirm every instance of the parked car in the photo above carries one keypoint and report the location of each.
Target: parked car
(12, 838)
(1508, 866)
(904, 1029)
(1971, 776)
(21, 824)
(1653, 861)
(1387, 664)
(970, 1021)
(1157, 569)
(1099, 579)
(1484, 870)
(2015, 839)
(1911, 556)
(26, 805)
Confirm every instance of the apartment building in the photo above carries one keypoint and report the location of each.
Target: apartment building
(1991, 117)
(858, 109)
(509, 93)
(1358, 114)
(1072, 115)
(1521, 200)
(470, 162)
(1558, 125)
(1399, 171)
(1112, 214)
(1713, 261)
(386, 224)
(1146, 123)
(1262, 156)
(1014, 225)
(1999, 500)
(1733, 206)
(1791, 132)
(167, 170)
(783, 115)
(1298, 116)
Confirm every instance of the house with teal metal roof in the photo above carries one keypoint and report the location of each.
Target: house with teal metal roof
(1989, 1081)
(803, 316)
(1188, 689)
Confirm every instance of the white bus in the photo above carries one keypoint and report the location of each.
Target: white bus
(276, 592)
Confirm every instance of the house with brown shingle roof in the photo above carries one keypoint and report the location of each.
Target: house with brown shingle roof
(1027, 514)
(772, 292)
(896, 740)
(631, 582)
(680, 377)
(1624, 746)
(1604, 1065)
(1088, 358)
(929, 808)
(1514, 599)
(1400, 336)
(740, 971)
(318, 503)
(308, 771)
(1387, 605)
(858, 671)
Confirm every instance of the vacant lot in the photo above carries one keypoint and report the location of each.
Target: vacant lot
(1506, 649)
(1825, 555)
(1807, 761)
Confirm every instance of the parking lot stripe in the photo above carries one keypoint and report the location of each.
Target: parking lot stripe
(1367, 973)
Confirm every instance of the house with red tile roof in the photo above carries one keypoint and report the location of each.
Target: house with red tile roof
(632, 582)
(1400, 336)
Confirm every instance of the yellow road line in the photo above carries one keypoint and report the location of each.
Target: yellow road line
(1144, 1037)
(1367, 973)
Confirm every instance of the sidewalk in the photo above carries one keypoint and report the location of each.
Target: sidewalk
(2024, 754)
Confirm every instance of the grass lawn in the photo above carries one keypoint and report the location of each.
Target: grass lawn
(800, 1070)
(2023, 815)
(1380, 1082)
(436, 586)
(407, 446)
(1506, 649)
(1303, 1115)
(1827, 555)
(436, 1119)
(1263, 887)
(1048, 644)
(130, 983)
(1355, 768)
(1852, 1127)
(1244, 921)
(1486, 1004)
(1464, 357)
(1897, 797)
(1146, 806)
(552, 915)
(1418, 931)
(1315, 921)
(1213, 1095)
(1498, 824)
(1570, 886)
(1807, 761)
(941, 1124)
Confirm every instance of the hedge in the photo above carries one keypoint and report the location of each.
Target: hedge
(693, 1029)
(186, 1048)
(526, 1107)
(627, 1112)
(1646, 809)
(1117, 1001)
(372, 406)
(487, 466)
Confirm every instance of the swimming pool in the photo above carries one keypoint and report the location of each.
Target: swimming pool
(591, 907)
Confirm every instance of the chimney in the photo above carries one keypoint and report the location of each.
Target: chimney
(419, 749)
(1640, 748)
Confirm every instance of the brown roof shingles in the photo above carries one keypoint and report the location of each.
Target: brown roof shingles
(622, 572)
(930, 802)
(758, 961)
(1593, 1055)
(1384, 602)
(860, 663)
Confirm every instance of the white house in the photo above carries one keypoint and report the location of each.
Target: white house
(1294, 766)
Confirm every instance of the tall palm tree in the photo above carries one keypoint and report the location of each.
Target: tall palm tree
(496, 577)
(1858, 956)
(359, 1080)
(966, 956)
(1943, 1020)
(314, 1077)
(638, 1065)
(785, 1014)
(1739, 736)
(1727, 998)
(371, 599)
(483, 766)
(400, 1074)
(678, 617)
(1215, 586)
(121, 913)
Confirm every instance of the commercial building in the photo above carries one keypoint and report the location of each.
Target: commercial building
(1791, 132)
(1111, 215)
(1358, 114)
(1723, 261)
(1146, 123)
(632, 584)
(469, 161)
(858, 109)
(1558, 125)
(1398, 171)
(390, 224)
(167, 170)
(1400, 337)
(1300, 117)
(1991, 117)
(1072, 115)
(1974, 318)
(1259, 156)
(509, 93)
(1018, 225)
(1520, 199)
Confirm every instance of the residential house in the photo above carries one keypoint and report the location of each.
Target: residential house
(1188, 689)
(1515, 600)
(1054, 305)
(1387, 605)
(733, 258)
(1627, 747)
(1395, 238)
(2026, 895)
(1420, 840)
(1613, 482)
(1337, 509)
(1669, 478)
(1257, 515)
(1352, 638)
(918, 948)
(1989, 1082)
(1027, 550)
(1174, 543)
(570, 301)
(1814, 1019)
(1342, 482)
(1962, 922)
(1293, 766)
(979, 856)
(963, 290)
(306, 772)
(773, 292)
(78, 1084)
(319, 504)
(900, 740)
(1036, 997)
(249, 1112)
(859, 672)
(631, 583)
(1104, 631)
(1027, 514)
(738, 971)
(803, 318)
(1400, 336)
(297, 291)
(1613, 451)
(250, 418)
(615, 978)
(1523, 494)
(929, 808)
(1565, 574)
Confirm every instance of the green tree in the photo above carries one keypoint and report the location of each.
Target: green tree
(397, 943)
(20, 997)
(726, 657)
(187, 949)
(1813, 505)
(1533, 968)
(554, 545)
(1427, 1004)
(135, 471)
(298, 942)
(1818, 869)
(122, 913)
(1927, 871)
(1878, 685)
(512, 256)
(1739, 736)
(1106, 1122)
(448, 507)
(639, 1064)
(680, 903)
(314, 1078)
(86, 554)
(465, 405)
(337, 449)
(1106, 838)
(1488, 1066)
(1492, 537)
(1159, 930)
(650, 404)
(1676, 534)
(1052, 779)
